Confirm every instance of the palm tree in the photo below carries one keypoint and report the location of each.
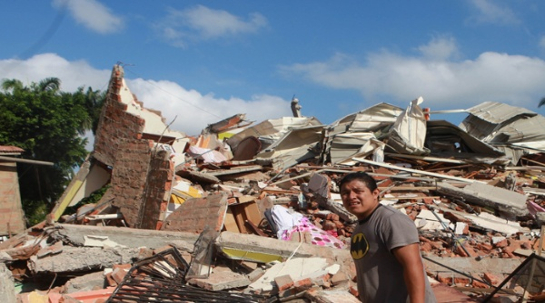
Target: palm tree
(542, 102)
(94, 100)
(13, 84)
(49, 84)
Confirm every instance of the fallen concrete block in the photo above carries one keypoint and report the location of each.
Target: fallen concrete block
(508, 203)
(471, 265)
(75, 259)
(129, 237)
(261, 249)
(220, 279)
(86, 282)
(297, 268)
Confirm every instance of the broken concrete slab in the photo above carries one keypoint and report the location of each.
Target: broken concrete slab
(86, 282)
(262, 249)
(488, 222)
(296, 268)
(221, 278)
(510, 204)
(500, 267)
(75, 259)
(129, 237)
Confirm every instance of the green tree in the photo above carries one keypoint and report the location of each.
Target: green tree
(541, 102)
(94, 100)
(48, 124)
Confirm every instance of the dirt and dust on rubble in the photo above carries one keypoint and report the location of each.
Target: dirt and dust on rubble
(252, 213)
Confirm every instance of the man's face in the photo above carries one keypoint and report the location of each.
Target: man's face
(358, 199)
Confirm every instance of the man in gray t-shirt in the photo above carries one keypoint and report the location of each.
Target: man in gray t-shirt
(385, 246)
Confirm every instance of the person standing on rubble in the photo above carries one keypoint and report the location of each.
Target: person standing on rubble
(385, 246)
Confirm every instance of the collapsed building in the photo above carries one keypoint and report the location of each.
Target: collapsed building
(252, 213)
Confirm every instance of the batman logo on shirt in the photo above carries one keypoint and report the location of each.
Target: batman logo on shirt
(359, 246)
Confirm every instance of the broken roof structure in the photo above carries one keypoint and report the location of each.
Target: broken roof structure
(515, 130)
(252, 213)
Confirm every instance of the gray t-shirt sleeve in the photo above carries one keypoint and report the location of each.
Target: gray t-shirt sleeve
(399, 230)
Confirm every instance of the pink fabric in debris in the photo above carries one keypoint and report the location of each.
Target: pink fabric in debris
(319, 236)
(534, 208)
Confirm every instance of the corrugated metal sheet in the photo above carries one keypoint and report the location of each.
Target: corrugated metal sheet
(369, 119)
(497, 113)
(527, 129)
(504, 125)
(294, 147)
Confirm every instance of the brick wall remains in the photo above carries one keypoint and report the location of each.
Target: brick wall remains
(129, 177)
(141, 179)
(196, 214)
(115, 123)
(157, 193)
(11, 211)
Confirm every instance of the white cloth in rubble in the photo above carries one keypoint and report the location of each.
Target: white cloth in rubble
(284, 219)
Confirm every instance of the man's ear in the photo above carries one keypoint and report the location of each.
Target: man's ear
(376, 192)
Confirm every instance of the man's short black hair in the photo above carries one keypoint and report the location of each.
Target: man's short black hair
(361, 176)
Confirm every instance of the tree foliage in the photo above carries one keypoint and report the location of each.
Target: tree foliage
(49, 125)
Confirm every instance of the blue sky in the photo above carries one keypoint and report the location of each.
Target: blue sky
(200, 62)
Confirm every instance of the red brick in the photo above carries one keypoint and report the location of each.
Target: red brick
(110, 280)
(283, 282)
(450, 278)
(464, 252)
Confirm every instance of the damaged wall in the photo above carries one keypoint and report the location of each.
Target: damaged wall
(115, 123)
(129, 178)
(11, 212)
(157, 192)
(141, 171)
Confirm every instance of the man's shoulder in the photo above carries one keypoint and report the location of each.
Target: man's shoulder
(388, 210)
(387, 213)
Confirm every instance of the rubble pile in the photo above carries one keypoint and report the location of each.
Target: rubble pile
(252, 213)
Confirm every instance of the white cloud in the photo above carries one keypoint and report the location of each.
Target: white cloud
(440, 48)
(192, 109)
(444, 84)
(72, 74)
(203, 23)
(92, 15)
(491, 12)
